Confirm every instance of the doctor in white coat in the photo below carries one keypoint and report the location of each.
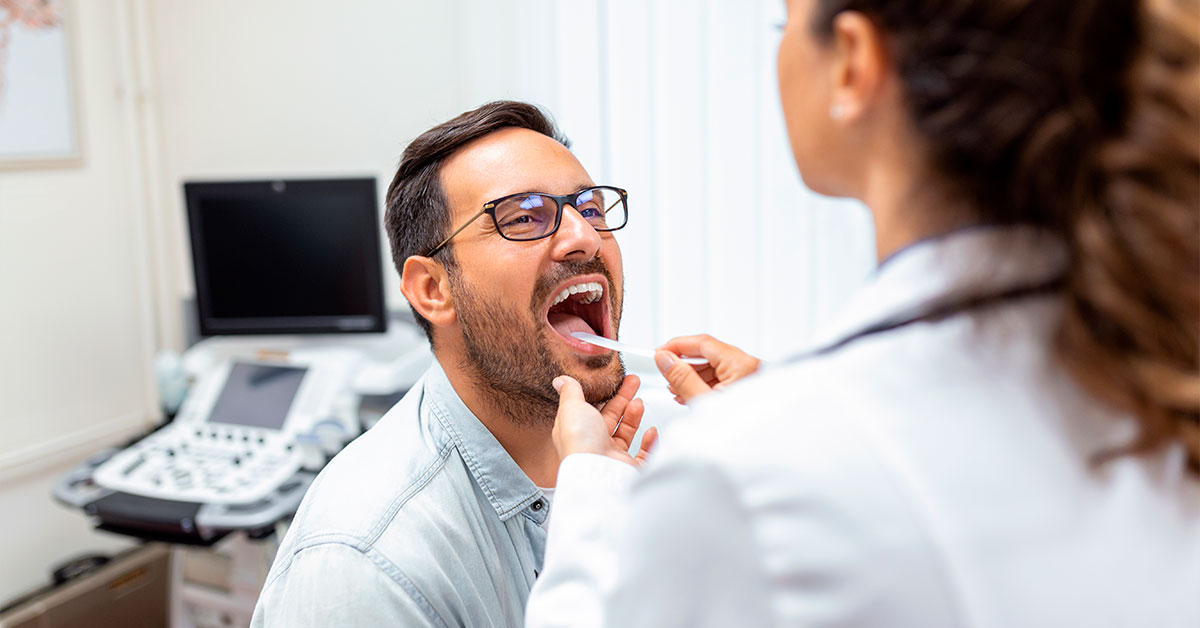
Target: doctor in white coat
(1003, 429)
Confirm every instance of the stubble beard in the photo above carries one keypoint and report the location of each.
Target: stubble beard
(508, 350)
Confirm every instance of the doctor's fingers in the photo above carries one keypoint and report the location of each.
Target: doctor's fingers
(707, 374)
(649, 439)
(615, 407)
(682, 379)
(568, 389)
(702, 345)
(630, 422)
(578, 426)
(735, 365)
(729, 362)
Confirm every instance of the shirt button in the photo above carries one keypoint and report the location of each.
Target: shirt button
(537, 505)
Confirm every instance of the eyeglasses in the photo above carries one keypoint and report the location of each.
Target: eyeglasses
(533, 215)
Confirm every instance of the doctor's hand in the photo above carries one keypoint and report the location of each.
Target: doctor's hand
(580, 428)
(726, 364)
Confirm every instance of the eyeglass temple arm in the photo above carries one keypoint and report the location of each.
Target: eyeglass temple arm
(466, 224)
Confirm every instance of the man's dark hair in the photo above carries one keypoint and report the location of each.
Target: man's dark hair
(418, 216)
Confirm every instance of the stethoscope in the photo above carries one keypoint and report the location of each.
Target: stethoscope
(936, 313)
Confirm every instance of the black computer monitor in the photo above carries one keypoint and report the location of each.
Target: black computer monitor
(286, 257)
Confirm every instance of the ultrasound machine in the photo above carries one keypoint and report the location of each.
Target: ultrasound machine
(290, 308)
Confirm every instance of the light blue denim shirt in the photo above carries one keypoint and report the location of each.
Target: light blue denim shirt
(425, 520)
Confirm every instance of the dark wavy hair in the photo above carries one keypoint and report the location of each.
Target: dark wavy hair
(1082, 117)
(417, 217)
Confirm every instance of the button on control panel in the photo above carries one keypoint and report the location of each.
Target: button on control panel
(214, 463)
(234, 438)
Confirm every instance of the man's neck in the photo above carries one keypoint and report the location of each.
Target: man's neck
(523, 428)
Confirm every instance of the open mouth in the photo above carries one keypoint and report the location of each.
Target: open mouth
(580, 305)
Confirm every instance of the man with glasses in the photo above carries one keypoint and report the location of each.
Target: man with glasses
(437, 515)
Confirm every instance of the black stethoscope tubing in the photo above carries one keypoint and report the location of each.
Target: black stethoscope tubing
(937, 312)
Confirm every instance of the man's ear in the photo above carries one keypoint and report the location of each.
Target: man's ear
(860, 67)
(426, 285)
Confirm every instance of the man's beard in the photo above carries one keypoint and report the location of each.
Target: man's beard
(509, 352)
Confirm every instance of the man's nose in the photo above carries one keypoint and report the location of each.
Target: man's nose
(575, 239)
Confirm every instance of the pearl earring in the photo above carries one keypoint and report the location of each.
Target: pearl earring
(836, 111)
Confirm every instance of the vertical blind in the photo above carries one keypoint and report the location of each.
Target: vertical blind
(676, 101)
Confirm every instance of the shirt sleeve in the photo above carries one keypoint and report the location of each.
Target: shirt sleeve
(590, 499)
(336, 585)
(672, 548)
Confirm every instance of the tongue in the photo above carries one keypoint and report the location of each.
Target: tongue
(565, 323)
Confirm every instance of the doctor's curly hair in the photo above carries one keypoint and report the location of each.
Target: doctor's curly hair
(1083, 117)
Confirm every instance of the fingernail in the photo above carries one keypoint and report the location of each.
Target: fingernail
(664, 360)
(557, 384)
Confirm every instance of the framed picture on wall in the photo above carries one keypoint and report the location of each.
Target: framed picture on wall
(39, 122)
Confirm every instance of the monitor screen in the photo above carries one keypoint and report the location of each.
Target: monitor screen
(286, 257)
(257, 395)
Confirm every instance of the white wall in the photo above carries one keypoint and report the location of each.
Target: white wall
(74, 314)
(69, 246)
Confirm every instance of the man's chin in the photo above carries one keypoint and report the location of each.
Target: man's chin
(596, 363)
(599, 375)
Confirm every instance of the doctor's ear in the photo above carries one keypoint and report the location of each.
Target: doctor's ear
(426, 285)
(860, 66)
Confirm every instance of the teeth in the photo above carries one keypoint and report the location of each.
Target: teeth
(593, 289)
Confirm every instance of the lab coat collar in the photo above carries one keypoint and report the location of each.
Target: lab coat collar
(969, 261)
(505, 485)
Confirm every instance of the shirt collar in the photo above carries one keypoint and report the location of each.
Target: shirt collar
(969, 261)
(506, 486)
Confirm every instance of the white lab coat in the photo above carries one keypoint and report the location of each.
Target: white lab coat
(937, 475)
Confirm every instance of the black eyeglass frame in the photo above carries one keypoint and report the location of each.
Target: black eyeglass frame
(560, 201)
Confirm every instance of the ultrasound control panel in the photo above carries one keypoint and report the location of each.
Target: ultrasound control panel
(235, 437)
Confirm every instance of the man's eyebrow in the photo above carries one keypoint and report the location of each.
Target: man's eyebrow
(578, 188)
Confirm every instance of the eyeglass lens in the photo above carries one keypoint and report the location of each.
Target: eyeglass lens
(532, 216)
